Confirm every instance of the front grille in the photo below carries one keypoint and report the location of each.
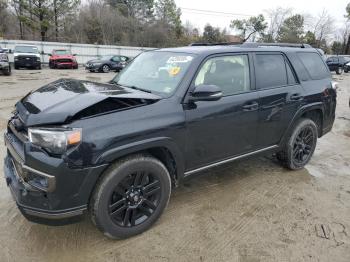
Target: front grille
(64, 60)
(27, 58)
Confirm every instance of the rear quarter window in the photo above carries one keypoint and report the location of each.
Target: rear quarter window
(314, 65)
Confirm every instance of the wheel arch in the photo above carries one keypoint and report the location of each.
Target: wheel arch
(314, 112)
(163, 148)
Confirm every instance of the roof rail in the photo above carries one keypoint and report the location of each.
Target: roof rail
(251, 44)
(214, 44)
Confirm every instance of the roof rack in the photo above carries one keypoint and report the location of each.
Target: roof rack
(214, 44)
(251, 44)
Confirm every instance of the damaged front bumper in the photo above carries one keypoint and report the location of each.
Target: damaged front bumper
(54, 198)
(4, 65)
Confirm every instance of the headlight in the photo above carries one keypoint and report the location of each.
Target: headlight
(16, 58)
(55, 141)
(38, 59)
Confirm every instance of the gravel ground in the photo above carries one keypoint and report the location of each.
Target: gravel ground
(253, 210)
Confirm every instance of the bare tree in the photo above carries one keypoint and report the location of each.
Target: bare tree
(323, 27)
(276, 17)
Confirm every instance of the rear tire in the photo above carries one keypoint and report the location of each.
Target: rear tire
(339, 71)
(300, 145)
(130, 196)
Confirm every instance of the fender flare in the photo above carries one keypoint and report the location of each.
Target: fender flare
(298, 114)
(142, 145)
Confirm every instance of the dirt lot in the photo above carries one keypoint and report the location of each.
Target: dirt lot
(252, 211)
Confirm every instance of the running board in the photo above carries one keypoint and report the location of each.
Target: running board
(229, 160)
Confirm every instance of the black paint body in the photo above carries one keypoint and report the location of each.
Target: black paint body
(194, 134)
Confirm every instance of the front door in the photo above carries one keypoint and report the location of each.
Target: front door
(227, 127)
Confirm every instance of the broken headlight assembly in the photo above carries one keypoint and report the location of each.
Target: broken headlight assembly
(55, 140)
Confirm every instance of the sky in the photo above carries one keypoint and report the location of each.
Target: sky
(246, 8)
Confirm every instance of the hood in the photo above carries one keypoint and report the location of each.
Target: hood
(94, 61)
(26, 54)
(66, 100)
(62, 57)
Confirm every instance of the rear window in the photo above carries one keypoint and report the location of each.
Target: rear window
(314, 65)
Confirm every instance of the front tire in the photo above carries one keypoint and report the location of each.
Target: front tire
(7, 72)
(130, 197)
(339, 71)
(106, 68)
(300, 146)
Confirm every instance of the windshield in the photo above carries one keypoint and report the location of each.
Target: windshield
(26, 49)
(156, 71)
(62, 52)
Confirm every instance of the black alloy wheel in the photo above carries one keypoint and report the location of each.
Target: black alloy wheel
(300, 145)
(134, 199)
(130, 196)
(303, 145)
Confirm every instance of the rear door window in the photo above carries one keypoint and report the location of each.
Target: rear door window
(271, 71)
(314, 65)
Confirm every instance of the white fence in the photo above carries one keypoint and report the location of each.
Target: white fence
(84, 52)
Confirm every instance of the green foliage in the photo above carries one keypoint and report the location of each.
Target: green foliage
(310, 38)
(169, 15)
(347, 10)
(337, 47)
(140, 9)
(292, 30)
(250, 26)
(212, 35)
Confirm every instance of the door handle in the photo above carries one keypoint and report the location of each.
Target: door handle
(250, 106)
(296, 97)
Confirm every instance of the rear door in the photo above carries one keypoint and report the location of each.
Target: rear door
(280, 96)
(227, 127)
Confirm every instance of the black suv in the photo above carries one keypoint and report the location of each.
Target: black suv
(338, 64)
(116, 150)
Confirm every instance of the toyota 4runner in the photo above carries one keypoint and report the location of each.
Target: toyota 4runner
(116, 150)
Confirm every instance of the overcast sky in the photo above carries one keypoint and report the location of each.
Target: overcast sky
(254, 7)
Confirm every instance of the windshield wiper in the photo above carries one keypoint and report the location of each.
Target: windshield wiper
(133, 87)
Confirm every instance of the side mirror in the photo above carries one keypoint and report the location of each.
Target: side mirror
(49, 54)
(74, 54)
(206, 93)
